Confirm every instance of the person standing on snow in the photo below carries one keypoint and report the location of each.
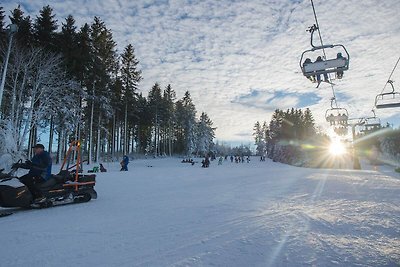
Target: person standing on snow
(124, 163)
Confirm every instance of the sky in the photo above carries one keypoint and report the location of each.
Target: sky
(240, 59)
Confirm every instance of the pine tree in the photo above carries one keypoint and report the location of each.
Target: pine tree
(130, 77)
(154, 103)
(180, 126)
(103, 62)
(143, 132)
(24, 36)
(45, 29)
(189, 117)
(169, 118)
(259, 138)
(2, 27)
(205, 135)
(83, 65)
(308, 124)
(67, 41)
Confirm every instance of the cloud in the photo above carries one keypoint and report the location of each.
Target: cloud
(269, 101)
(222, 50)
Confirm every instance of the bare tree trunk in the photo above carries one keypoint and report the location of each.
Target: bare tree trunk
(121, 148)
(125, 148)
(113, 136)
(138, 144)
(98, 139)
(51, 134)
(59, 147)
(91, 128)
(133, 141)
(170, 139)
(65, 143)
(155, 136)
(117, 144)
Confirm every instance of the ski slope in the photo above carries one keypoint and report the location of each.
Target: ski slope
(166, 213)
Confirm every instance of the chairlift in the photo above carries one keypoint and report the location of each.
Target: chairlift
(372, 122)
(314, 70)
(336, 115)
(342, 130)
(388, 100)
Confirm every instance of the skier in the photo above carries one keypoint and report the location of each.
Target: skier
(124, 163)
(205, 162)
(39, 171)
(339, 73)
(310, 77)
(319, 59)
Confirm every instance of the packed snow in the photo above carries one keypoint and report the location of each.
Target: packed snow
(166, 213)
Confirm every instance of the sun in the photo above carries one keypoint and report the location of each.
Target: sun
(337, 148)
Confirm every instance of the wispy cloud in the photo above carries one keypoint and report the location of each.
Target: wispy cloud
(222, 50)
(269, 101)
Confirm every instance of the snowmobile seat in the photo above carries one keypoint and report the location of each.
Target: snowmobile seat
(48, 184)
(87, 178)
(66, 174)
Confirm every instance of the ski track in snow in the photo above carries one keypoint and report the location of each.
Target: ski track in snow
(245, 214)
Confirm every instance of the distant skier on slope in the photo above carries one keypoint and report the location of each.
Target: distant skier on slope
(124, 163)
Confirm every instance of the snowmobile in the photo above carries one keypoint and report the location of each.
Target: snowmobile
(66, 187)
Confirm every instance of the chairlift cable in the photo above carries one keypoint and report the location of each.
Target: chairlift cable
(390, 76)
(323, 49)
(316, 22)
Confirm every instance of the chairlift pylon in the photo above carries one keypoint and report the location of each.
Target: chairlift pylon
(388, 100)
(321, 65)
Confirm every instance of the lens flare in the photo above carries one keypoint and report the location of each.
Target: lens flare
(337, 148)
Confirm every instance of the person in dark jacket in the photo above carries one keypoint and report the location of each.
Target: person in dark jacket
(39, 171)
(124, 163)
(102, 169)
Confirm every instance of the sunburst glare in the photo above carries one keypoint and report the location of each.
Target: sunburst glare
(337, 148)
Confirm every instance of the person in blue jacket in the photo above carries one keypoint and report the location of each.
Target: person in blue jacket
(39, 171)
(124, 163)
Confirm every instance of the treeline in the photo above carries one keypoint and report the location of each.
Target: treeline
(227, 150)
(290, 137)
(287, 136)
(380, 144)
(73, 82)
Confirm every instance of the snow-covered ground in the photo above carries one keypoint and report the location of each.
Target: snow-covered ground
(166, 213)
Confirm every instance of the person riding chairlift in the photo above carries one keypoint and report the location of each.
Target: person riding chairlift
(310, 77)
(339, 73)
(326, 78)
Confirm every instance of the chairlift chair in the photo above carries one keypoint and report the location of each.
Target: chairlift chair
(342, 131)
(388, 100)
(336, 115)
(330, 65)
(372, 122)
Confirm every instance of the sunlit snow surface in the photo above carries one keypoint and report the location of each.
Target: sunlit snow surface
(166, 213)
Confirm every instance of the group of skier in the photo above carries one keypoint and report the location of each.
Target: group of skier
(317, 77)
(340, 119)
